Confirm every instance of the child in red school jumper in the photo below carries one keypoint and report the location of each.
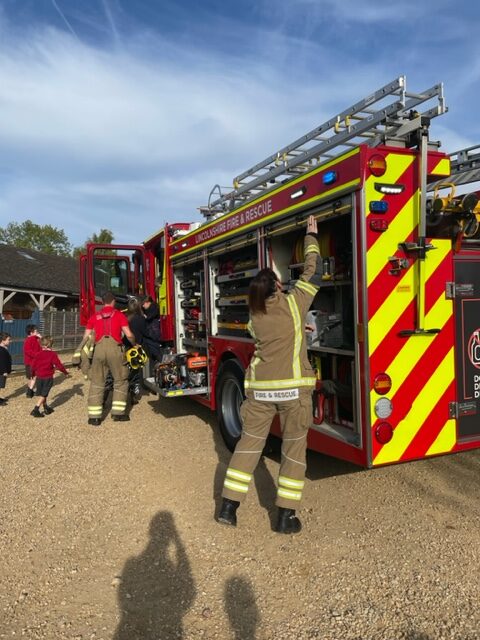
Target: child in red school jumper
(31, 347)
(43, 367)
(5, 361)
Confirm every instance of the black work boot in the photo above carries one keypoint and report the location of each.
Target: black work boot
(122, 418)
(227, 513)
(287, 521)
(47, 410)
(95, 422)
(36, 413)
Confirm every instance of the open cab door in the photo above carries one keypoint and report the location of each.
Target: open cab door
(109, 267)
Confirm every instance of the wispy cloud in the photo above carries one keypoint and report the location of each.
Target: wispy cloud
(135, 129)
(62, 16)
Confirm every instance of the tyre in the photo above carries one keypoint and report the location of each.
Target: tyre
(229, 395)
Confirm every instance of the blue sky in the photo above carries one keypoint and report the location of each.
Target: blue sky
(123, 114)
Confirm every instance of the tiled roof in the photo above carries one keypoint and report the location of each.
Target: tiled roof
(28, 269)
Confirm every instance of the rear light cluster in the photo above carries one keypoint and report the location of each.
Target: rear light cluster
(383, 432)
(377, 165)
(378, 224)
(382, 384)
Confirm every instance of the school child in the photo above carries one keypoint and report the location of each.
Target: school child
(5, 362)
(31, 347)
(43, 368)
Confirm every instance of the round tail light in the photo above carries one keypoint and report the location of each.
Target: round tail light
(382, 383)
(383, 432)
(377, 165)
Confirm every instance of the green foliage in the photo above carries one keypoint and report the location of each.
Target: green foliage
(29, 235)
(105, 236)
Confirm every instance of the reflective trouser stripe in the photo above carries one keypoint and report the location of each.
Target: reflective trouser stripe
(290, 488)
(236, 480)
(94, 411)
(235, 486)
(288, 494)
(235, 474)
(290, 483)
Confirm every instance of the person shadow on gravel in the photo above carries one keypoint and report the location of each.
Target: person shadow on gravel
(157, 587)
(241, 608)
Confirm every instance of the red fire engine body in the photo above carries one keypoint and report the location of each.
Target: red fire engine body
(396, 340)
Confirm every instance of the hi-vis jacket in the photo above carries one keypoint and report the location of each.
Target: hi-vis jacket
(83, 354)
(280, 365)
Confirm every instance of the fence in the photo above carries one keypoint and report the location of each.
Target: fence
(63, 326)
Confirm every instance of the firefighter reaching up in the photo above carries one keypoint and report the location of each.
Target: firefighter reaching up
(279, 380)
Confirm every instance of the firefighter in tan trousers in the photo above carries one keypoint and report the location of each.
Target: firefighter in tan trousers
(108, 324)
(279, 380)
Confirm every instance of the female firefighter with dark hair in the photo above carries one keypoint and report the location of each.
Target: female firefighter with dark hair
(279, 380)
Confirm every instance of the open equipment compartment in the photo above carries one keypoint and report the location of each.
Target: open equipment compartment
(232, 269)
(185, 372)
(331, 343)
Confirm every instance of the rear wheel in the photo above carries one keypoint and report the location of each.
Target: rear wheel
(229, 397)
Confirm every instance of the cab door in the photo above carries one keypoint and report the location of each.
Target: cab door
(116, 268)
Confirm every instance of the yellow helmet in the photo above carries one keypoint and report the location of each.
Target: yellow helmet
(136, 357)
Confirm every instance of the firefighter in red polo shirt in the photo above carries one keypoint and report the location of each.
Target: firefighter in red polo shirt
(108, 324)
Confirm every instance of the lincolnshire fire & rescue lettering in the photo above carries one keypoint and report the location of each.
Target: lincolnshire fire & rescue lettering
(233, 222)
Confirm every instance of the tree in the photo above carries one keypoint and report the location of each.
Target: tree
(29, 235)
(105, 236)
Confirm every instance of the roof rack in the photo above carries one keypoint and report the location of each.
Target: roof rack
(384, 116)
(464, 167)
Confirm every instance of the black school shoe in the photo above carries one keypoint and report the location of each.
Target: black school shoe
(47, 410)
(287, 521)
(36, 413)
(3, 401)
(30, 393)
(228, 512)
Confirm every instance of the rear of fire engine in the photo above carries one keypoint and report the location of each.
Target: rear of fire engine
(395, 340)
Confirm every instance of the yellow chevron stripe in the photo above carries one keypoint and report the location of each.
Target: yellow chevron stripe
(399, 299)
(390, 311)
(387, 243)
(415, 347)
(445, 440)
(421, 408)
(442, 168)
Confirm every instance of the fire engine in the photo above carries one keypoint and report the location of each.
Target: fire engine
(396, 339)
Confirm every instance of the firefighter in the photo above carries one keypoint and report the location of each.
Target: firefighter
(108, 325)
(279, 380)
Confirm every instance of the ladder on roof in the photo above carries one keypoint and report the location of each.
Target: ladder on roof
(385, 115)
(464, 167)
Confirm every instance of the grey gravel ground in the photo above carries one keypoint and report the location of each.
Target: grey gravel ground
(108, 533)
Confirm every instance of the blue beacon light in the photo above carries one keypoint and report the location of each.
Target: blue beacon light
(329, 177)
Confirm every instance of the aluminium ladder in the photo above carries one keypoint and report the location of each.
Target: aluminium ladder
(464, 168)
(388, 114)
